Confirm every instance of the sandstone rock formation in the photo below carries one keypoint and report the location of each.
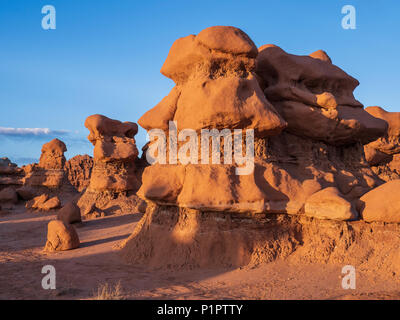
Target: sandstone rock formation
(78, 170)
(7, 167)
(182, 238)
(61, 236)
(43, 203)
(114, 177)
(309, 159)
(10, 174)
(224, 83)
(52, 156)
(383, 154)
(50, 170)
(114, 154)
(315, 97)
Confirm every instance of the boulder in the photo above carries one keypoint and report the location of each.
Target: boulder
(37, 201)
(61, 236)
(70, 213)
(329, 203)
(51, 204)
(383, 154)
(43, 203)
(382, 203)
(8, 195)
(26, 193)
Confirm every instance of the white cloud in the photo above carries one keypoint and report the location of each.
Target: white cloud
(29, 131)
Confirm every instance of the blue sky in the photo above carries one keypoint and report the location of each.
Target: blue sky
(105, 56)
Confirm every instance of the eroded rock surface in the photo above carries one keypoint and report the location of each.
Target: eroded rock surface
(50, 170)
(383, 154)
(79, 169)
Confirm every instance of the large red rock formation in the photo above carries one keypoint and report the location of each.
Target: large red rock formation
(383, 154)
(309, 160)
(218, 86)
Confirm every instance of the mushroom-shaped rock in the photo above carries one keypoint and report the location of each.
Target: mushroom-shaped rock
(216, 87)
(315, 97)
(61, 236)
(382, 203)
(114, 154)
(329, 203)
(298, 139)
(70, 213)
(112, 139)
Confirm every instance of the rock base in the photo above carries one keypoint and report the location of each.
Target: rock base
(172, 237)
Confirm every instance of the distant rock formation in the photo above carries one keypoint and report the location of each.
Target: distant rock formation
(50, 170)
(78, 170)
(114, 154)
(52, 156)
(114, 178)
(10, 173)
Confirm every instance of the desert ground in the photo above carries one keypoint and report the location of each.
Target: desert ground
(81, 272)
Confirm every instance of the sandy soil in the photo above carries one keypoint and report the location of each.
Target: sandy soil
(80, 272)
